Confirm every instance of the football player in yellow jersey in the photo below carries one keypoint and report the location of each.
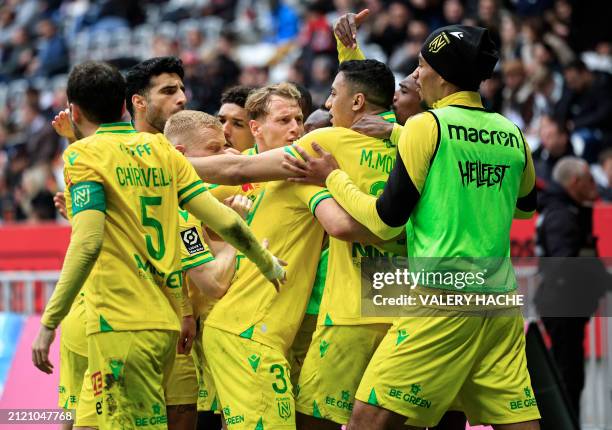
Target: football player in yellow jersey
(253, 380)
(197, 134)
(130, 348)
(406, 103)
(155, 91)
(343, 341)
(235, 118)
(155, 86)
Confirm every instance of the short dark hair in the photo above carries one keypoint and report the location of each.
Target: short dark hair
(372, 78)
(98, 89)
(139, 77)
(237, 95)
(576, 64)
(305, 99)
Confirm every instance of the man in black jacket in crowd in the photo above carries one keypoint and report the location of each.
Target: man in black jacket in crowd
(571, 287)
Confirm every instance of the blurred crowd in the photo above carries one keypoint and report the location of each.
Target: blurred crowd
(553, 80)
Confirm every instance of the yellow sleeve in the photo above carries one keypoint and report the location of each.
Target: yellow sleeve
(222, 192)
(232, 229)
(396, 133)
(84, 184)
(311, 195)
(188, 182)
(194, 250)
(85, 244)
(327, 139)
(527, 199)
(81, 163)
(346, 54)
(417, 145)
(186, 305)
(361, 206)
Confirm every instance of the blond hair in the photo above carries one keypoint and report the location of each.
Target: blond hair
(258, 102)
(187, 121)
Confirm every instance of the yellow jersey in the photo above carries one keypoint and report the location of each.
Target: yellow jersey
(368, 161)
(138, 180)
(194, 252)
(283, 213)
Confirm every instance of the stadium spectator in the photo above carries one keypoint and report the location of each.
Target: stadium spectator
(554, 145)
(517, 96)
(587, 115)
(547, 87)
(453, 12)
(604, 179)
(18, 55)
(491, 92)
(52, 55)
(283, 22)
(389, 29)
(565, 229)
(322, 76)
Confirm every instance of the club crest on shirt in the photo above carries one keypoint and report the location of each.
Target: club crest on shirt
(81, 197)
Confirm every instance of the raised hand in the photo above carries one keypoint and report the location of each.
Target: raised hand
(346, 27)
(62, 125)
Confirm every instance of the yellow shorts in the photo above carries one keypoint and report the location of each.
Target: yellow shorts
(88, 408)
(182, 387)
(427, 365)
(129, 370)
(301, 343)
(252, 382)
(207, 393)
(334, 365)
(72, 369)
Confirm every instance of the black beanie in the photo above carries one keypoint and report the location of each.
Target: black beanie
(462, 55)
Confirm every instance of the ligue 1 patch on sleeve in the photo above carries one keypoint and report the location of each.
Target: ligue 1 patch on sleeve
(87, 196)
(192, 241)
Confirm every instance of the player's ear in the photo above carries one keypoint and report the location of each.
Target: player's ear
(255, 128)
(75, 112)
(358, 102)
(180, 148)
(139, 102)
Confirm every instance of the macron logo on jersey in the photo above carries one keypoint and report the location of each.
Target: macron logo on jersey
(457, 34)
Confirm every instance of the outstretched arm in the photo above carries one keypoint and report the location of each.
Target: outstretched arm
(230, 169)
(232, 229)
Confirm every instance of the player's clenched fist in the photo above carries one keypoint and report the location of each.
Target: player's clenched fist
(239, 203)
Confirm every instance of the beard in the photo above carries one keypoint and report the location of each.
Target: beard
(77, 133)
(155, 118)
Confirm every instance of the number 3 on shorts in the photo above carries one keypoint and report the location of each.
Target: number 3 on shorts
(281, 377)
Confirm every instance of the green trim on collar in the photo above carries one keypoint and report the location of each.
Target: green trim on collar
(116, 127)
(388, 116)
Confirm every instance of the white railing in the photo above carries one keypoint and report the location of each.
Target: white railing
(25, 291)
